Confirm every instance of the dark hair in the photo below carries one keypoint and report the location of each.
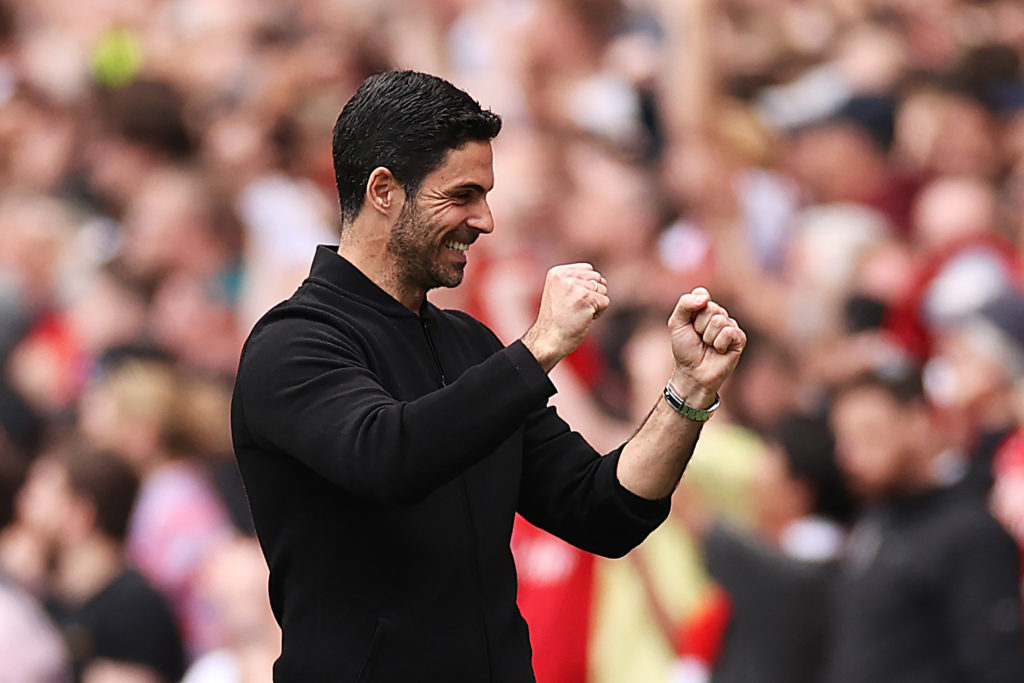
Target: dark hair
(407, 122)
(108, 482)
(150, 113)
(809, 449)
(13, 467)
(901, 381)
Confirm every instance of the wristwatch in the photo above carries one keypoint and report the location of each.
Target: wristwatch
(679, 405)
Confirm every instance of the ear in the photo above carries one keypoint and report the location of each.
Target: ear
(383, 192)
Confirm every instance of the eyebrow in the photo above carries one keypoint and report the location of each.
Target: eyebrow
(476, 187)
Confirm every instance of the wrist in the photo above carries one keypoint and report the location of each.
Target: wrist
(544, 353)
(693, 392)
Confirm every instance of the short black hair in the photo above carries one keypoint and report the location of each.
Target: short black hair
(900, 380)
(407, 122)
(108, 482)
(808, 446)
(148, 113)
(13, 468)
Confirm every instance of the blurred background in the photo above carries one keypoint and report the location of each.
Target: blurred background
(846, 176)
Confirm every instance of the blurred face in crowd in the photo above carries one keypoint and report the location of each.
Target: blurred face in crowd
(878, 440)
(233, 582)
(838, 162)
(430, 241)
(46, 503)
(953, 208)
(125, 411)
(767, 389)
(611, 214)
(779, 497)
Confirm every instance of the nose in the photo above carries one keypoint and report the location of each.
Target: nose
(482, 220)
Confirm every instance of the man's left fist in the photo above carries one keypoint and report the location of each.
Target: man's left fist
(706, 345)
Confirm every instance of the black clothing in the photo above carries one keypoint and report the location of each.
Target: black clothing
(980, 477)
(385, 455)
(128, 621)
(929, 592)
(780, 610)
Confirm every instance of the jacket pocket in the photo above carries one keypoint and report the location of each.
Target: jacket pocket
(381, 635)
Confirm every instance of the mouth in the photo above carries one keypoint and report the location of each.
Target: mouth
(460, 247)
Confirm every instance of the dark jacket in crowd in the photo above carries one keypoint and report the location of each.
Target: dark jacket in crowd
(929, 592)
(128, 621)
(780, 609)
(385, 455)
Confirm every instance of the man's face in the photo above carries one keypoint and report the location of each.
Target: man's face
(778, 497)
(873, 440)
(437, 226)
(46, 501)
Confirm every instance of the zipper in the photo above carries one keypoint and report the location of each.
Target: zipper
(476, 575)
(471, 523)
(433, 351)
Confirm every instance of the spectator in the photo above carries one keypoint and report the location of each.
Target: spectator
(111, 617)
(976, 363)
(137, 410)
(31, 649)
(777, 581)
(233, 582)
(929, 585)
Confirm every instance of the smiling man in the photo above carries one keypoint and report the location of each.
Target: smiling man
(386, 445)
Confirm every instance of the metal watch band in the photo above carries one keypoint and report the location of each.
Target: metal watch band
(679, 405)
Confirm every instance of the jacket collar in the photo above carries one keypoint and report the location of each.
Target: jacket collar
(337, 273)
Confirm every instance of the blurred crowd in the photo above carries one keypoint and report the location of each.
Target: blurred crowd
(846, 176)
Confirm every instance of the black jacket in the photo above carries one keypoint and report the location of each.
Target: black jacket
(929, 592)
(385, 455)
(777, 631)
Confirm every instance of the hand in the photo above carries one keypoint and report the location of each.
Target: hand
(706, 345)
(574, 295)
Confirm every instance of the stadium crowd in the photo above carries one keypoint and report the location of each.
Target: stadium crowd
(847, 176)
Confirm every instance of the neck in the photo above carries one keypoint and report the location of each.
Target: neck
(86, 568)
(918, 476)
(995, 411)
(372, 258)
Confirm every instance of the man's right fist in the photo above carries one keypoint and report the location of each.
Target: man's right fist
(574, 294)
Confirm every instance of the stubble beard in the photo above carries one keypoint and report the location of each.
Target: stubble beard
(416, 258)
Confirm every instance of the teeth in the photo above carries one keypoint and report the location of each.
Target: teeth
(458, 246)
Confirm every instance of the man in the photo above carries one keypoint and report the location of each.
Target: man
(776, 582)
(112, 619)
(928, 589)
(386, 445)
(981, 357)
(31, 649)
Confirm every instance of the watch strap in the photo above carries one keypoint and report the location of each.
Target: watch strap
(679, 405)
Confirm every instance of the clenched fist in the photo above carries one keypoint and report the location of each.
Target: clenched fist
(706, 345)
(574, 294)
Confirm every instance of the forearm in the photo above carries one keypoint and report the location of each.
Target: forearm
(706, 344)
(327, 409)
(653, 461)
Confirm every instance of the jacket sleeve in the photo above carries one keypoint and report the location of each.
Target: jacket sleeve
(573, 492)
(306, 391)
(745, 566)
(982, 602)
